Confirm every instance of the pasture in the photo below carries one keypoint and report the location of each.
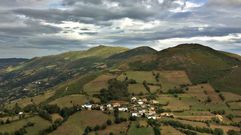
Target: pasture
(94, 86)
(71, 100)
(77, 123)
(39, 124)
(31, 100)
(134, 130)
(169, 130)
(137, 88)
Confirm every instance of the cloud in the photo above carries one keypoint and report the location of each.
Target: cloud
(60, 25)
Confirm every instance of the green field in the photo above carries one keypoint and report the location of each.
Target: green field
(69, 101)
(139, 76)
(39, 124)
(134, 130)
(168, 130)
(77, 123)
(171, 79)
(31, 100)
(137, 88)
(94, 86)
(116, 129)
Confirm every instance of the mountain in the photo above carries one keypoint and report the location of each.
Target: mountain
(133, 52)
(201, 63)
(52, 70)
(186, 85)
(11, 62)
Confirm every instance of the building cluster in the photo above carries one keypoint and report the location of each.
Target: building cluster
(138, 107)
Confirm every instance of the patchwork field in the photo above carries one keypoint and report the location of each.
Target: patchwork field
(225, 128)
(33, 100)
(231, 96)
(137, 88)
(69, 101)
(139, 76)
(173, 103)
(77, 123)
(235, 105)
(94, 86)
(168, 130)
(134, 130)
(171, 79)
(154, 89)
(203, 92)
(39, 124)
(116, 129)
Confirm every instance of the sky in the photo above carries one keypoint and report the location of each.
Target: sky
(30, 28)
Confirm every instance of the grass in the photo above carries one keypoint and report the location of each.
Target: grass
(77, 123)
(154, 89)
(137, 88)
(39, 124)
(133, 130)
(94, 86)
(231, 96)
(116, 129)
(139, 76)
(235, 105)
(225, 128)
(74, 86)
(171, 79)
(56, 116)
(198, 124)
(203, 91)
(69, 101)
(173, 103)
(168, 130)
(31, 100)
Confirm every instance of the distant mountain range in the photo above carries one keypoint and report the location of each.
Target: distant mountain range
(202, 64)
(11, 61)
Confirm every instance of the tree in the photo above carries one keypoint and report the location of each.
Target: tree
(230, 116)
(218, 131)
(97, 127)
(232, 132)
(157, 130)
(108, 122)
(116, 90)
(87, 130)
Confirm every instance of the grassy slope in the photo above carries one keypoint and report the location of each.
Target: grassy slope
(201, 64)
(40, 124)
(76, 124)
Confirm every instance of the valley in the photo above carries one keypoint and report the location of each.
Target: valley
(188, 89)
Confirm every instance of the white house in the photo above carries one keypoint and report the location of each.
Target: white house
(134, 114)
(151, 117)
(133, 99)
(123, 109)
(140, 102)
(108, 105)
(102, 108)
(87, 106)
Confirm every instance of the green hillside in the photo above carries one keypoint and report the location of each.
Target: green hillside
(133, 52)
(40, 74)
(201, 63)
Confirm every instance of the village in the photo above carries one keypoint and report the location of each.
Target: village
(138, 107)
